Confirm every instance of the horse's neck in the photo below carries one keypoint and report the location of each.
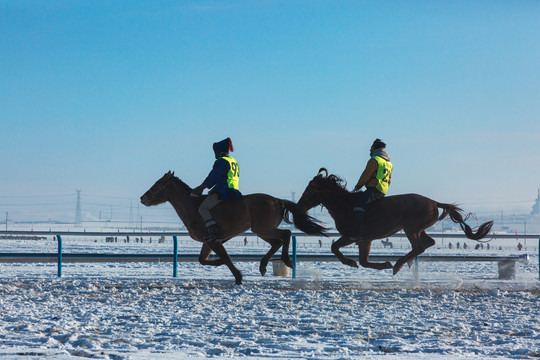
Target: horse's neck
(180, 200)
(336, 206)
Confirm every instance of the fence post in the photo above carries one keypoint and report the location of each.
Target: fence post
(416, 270)
(294, 257)
(175, 256)
(59, 238)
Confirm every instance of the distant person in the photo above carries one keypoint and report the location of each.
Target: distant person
(519, 246)
(458, 245)
(320, 243)
(223, 182)
(245, 241)
(465, 246)
(450, 245)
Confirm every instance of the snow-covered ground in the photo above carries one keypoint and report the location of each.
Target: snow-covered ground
(139, 311)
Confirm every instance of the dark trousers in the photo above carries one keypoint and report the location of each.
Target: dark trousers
(370, 195)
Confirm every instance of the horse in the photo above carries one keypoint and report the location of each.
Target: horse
(260, 212)
(411, 212)
(387, 243)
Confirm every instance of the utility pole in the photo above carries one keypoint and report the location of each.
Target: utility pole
(138, 216)
(78, 214)
(6, 219)
(525, 233)
(130, 214)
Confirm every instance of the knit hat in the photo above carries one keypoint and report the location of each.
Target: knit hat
(223, 146)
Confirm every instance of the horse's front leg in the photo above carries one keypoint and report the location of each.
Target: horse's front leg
(220, 251)
(205, 253)
(341, 242)
(364, 248)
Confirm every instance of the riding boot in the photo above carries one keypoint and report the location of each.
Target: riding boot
(211, 232)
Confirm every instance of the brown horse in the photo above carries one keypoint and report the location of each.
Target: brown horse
(260, 212)
(411, 212)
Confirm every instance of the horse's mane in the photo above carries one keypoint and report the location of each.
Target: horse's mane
(182, 184)
(334, 184)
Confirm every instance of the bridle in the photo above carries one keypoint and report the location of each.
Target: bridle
(154, 192)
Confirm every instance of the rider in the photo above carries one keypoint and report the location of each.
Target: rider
(376, 178)
(223, 180)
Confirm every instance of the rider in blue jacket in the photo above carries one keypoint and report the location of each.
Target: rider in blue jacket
(223, 182)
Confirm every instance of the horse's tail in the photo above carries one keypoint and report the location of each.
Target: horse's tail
(301, 219)
(455, 214)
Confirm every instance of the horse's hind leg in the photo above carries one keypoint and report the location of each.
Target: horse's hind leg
(419, 242)
(276, 238)
(341, 242)
(363, 254)
(275, 245)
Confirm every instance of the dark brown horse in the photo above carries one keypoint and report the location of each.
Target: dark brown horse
(260, 212)
(411, 212)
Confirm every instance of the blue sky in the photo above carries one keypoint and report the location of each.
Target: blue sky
(108, 96)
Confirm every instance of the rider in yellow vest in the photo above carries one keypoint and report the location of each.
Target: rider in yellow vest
(376, 178)
(223, 180)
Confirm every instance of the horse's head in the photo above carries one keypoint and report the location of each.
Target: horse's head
(312, 195)
(158, 192)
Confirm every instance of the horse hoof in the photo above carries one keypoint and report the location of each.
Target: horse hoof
(289, 263)
(238, 278)
(263, 271)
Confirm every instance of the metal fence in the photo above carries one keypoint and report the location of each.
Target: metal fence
(506, 263)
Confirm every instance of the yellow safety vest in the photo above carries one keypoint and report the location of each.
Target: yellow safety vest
(383, 174)
(233, 176)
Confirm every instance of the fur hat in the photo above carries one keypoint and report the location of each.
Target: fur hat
(378, 144)
(223, 147)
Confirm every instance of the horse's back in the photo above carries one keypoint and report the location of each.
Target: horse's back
(392, 213)
(406, 197)
(404, 202)
(250, 208)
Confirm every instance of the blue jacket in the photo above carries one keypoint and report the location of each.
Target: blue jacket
(217, 181)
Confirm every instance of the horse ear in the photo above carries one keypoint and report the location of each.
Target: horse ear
(321, 170)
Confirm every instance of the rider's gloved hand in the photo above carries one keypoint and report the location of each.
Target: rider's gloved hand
(356, 188)
(197, 191)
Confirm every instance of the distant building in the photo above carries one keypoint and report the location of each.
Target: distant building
(536, 206)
